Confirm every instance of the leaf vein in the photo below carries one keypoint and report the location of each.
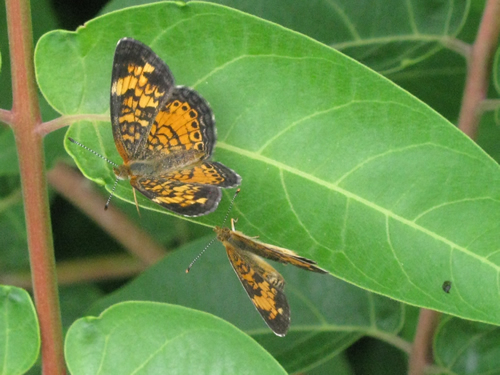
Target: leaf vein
(350, 195)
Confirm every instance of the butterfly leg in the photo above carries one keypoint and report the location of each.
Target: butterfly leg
(136, 204)
(234, 221)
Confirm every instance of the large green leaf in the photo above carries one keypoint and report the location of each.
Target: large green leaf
(152, 338)
(399, 43)
(489, 134)
(327, 313)
(338, 365)
(19, 335)
(438, 81)
(387, 35)
(337, 162)
(464, 347)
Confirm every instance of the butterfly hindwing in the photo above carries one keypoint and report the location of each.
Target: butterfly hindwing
(184, 123)
(182, 198)
(207, 173)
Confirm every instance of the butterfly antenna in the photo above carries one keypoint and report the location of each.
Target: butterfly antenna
(230, 206)
(200, 254)
(111, 195)
(92, 151)
(104, 158)
(211, 242)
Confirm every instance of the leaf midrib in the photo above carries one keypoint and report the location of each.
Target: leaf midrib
(355, 197)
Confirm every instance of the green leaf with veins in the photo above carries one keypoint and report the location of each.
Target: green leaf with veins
(463, 347)
(338, 163)
(327, 314)
(182, 340)
(19, 331)
(388, 36)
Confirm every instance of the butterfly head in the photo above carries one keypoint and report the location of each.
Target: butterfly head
(122, 172)
(223, 234)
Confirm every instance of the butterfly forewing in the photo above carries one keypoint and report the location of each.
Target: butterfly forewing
(141, 84)
(265, 287)
(278, 254)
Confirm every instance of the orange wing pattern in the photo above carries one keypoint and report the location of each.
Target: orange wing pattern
(141, 84)
(165, 134)
(207, 173)
(185, 199)
(265, 287)
(263, 284)
(185, 122)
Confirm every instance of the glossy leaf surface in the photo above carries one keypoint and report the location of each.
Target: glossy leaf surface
(338, 163)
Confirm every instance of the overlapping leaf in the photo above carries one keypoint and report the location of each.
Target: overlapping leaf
(464, 347)
(153, 338)
(385, 35)
(327, 314)
(19, 335)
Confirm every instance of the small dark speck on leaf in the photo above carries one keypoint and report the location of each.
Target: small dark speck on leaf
(446, 286)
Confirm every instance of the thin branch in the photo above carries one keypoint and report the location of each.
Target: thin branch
(393, 340)
(76, 189)
(25, 116)
(457, 46)
(60, 122)
(84, 270)
(479, 68)
(490, 105)
(6, 117)
(421, 354)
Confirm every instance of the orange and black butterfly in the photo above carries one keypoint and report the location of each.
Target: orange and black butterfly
(264, 285)
(164, 133)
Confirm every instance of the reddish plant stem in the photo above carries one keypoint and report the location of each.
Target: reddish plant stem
(76, 189)
(421, 353)
(479, 68)
(25, 116)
